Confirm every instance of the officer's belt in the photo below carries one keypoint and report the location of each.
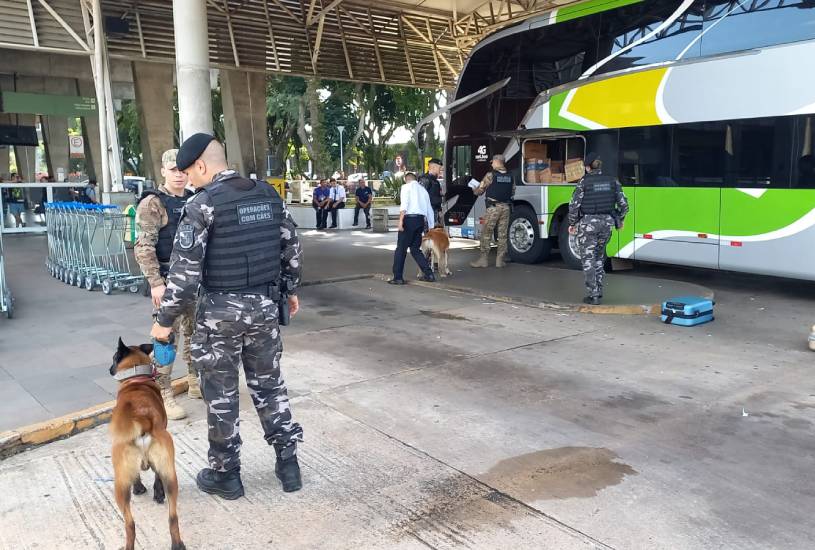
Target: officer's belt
(270, 290)
(493, 202)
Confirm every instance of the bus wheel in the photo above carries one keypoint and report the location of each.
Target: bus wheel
(525, 243)
(568, 247)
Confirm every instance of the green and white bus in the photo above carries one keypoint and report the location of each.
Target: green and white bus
(704, 110)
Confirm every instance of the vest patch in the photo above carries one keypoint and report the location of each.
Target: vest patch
(255, 212)
(602, 186)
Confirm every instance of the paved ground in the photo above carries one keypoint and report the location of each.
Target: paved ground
(57, 350)
(440, 421)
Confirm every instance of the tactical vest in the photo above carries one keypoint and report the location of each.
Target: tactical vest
(600, 194)
(173, 206)
(500, 190)
(243, 250)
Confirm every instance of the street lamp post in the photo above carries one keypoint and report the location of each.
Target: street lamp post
(342, 160)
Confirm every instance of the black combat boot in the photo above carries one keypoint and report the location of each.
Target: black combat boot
(227, 485)
(287, 469)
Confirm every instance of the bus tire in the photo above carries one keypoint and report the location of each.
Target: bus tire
(525, 243)
(568, 247)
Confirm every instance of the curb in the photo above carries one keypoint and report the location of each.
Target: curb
(610, 309)
(34, 435)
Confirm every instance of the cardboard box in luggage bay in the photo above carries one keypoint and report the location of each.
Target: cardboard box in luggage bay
(574, 170)
(535, 150)
(535, 170)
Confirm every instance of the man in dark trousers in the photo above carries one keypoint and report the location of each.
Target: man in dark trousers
(235, 251)
(318, 202)
(415, 217)
(364, 197)
(598, 204)
(430, 181)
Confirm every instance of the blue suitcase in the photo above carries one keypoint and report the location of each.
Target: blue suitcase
(687, 311)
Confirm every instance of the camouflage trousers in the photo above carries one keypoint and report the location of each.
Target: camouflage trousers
(230, 330)
(496, 216)
(185, 325)
(593, 234)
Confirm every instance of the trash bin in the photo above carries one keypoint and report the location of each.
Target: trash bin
(379, 220)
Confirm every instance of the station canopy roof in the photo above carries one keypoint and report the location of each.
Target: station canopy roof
(411, 42)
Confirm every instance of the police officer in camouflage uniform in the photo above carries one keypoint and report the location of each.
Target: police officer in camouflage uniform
(157, 215)
(238, 241)
(598, 204)
(499, 186)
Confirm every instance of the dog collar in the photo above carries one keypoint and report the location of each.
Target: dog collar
(138, 370)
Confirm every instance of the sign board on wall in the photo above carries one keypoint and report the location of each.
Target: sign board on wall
(76, 145)
(47, 104)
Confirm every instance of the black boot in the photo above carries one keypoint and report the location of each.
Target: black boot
(287, 469)
(227, 485)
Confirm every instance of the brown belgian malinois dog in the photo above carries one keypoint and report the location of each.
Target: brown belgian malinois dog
(138, 429)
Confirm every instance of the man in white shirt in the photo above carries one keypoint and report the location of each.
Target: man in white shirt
(336, 201)
(415, 217)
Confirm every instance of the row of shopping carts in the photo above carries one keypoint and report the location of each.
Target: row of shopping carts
(86, 246)
(6, 299)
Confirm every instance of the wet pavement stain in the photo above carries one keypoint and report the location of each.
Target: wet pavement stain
(442, 315)
(566, 472)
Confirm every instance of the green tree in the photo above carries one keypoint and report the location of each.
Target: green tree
(129, 127)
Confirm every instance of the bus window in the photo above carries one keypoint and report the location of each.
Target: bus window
(645, 156)
(760, 153)
(700, 152)
(624, 26)
(604, 144)
(803, 161)
(732, 25)
(462, 156)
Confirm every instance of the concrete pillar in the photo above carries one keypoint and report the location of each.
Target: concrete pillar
(243, 95)
(90, 131)
(25, 156)
(154, 101)
(192, 66)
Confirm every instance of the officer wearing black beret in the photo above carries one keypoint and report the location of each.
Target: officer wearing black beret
(238, 242)
(430, 181)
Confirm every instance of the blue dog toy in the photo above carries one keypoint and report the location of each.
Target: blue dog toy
(164, 352)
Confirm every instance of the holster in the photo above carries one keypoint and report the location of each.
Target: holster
(283, 312)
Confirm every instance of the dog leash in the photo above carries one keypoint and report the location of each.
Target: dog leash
(139, 370)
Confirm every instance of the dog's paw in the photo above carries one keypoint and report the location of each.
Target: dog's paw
(158, 498)
(179, 546)
(139, 488)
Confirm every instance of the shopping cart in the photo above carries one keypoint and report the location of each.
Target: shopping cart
(6, 299)
(86, 247)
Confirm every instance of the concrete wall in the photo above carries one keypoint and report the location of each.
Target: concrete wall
(244, 100)
(154, 100)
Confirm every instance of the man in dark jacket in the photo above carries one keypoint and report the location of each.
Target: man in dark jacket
(430, 181)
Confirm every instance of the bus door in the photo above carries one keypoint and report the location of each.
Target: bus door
(466, 157)
(676, 175)
(459, 197)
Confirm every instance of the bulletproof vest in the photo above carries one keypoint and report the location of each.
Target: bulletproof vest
(173, 206)
(600, 194)
(243, 250)
(500, 190)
